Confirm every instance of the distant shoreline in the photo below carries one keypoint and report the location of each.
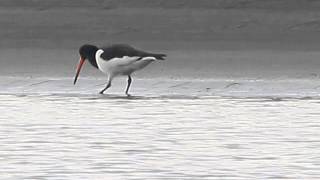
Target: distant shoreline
(283, 5)
(245, 25)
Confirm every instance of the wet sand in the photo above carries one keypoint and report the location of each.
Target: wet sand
(154, 88)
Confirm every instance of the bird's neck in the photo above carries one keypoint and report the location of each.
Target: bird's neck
(92, 60)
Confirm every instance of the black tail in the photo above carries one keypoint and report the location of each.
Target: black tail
(159, 56)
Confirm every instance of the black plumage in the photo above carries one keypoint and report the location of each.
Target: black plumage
(121, 50)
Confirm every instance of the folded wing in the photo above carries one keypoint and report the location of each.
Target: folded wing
(124, 50)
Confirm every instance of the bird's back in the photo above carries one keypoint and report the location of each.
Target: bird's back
(121, 50)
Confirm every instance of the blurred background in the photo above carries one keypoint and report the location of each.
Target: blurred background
(203, 38)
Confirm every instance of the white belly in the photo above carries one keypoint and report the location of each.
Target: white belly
(121, 66)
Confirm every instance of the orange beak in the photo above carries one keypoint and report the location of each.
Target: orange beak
(81, 61)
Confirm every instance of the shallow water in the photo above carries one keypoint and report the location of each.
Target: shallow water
(82, 135)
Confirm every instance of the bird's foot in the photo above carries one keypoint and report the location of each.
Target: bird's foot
(128, 95)
(101, 92)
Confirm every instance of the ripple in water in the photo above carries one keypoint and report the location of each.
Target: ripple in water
(169, 137)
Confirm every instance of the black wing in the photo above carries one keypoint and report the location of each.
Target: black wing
(121, 50)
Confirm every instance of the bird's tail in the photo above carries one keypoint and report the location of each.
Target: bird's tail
(159, 56)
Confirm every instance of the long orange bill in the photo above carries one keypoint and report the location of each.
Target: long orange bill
(81, 61)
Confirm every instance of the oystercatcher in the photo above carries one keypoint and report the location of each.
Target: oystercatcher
(116, 60)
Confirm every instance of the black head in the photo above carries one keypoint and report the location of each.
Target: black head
(87, 52)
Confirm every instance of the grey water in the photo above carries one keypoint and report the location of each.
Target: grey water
(186, 130)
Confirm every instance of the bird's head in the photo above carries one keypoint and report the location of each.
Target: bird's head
(87, 52)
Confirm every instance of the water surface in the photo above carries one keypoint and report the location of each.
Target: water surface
(170, 136)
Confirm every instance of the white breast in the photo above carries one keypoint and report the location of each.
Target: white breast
(100, 62)
(121, 66)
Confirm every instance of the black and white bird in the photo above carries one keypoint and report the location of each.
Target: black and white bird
(115, 60)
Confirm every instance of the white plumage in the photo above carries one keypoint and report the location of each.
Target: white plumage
(121, 66)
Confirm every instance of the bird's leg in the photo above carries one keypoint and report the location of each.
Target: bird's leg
(107, 86)
(128, 85)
